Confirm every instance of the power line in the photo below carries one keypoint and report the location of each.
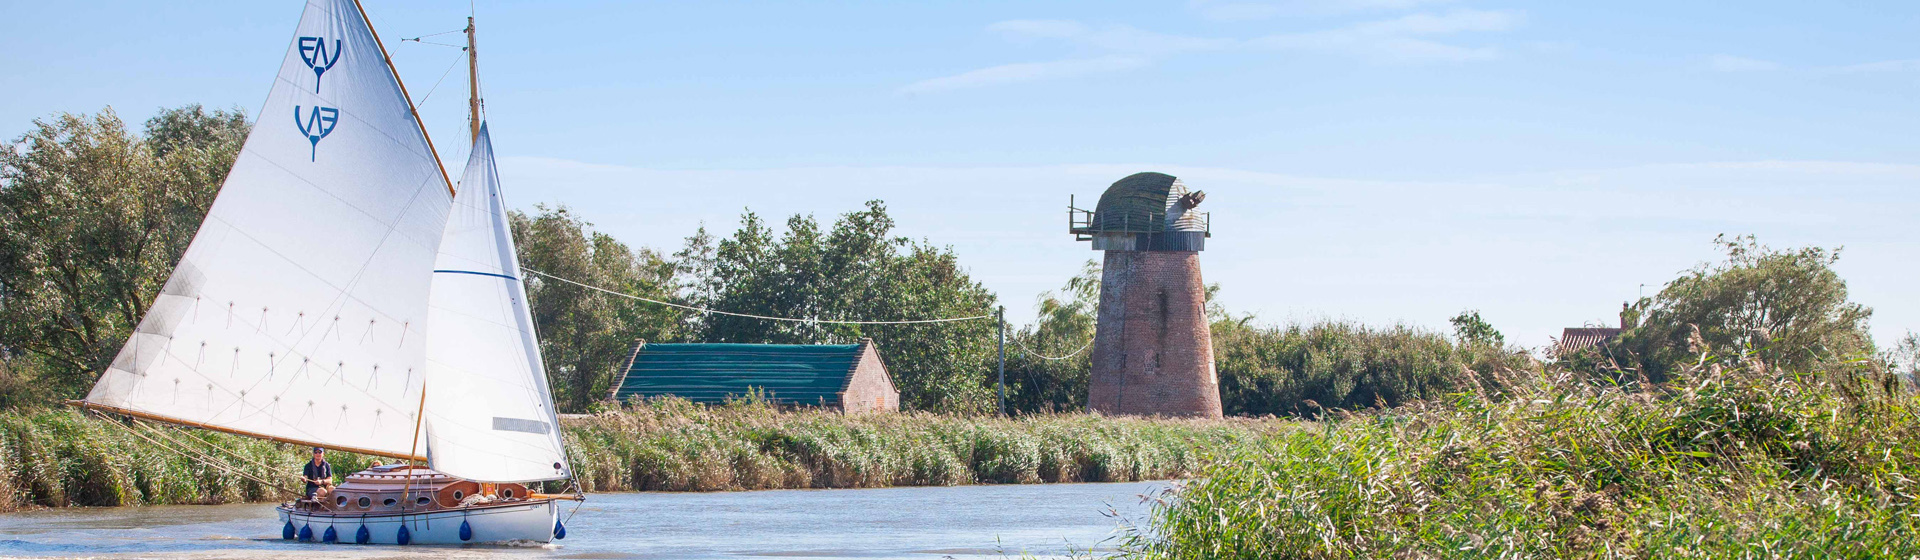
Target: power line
(752, 316)
(1031, 352)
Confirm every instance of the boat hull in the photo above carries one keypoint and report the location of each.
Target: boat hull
(526, 521)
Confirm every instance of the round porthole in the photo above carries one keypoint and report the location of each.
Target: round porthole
(507, 493)
(365, 502)
(458, 495)
(389, 502)
(422, 500)
(339, 501)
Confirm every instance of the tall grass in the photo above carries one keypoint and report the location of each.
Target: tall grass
(55, 458)
(678, 446)
(1302, 368)
(58, 457)
(1736, 463)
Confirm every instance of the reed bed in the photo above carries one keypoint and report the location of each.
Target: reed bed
(59, 457)
(673, 445)
(1719, 464)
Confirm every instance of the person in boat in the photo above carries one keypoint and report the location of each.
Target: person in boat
(318, 473)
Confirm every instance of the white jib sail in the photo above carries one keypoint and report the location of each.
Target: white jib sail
(489, 414)
(299, 310)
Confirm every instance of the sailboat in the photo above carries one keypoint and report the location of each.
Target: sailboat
(341, 293)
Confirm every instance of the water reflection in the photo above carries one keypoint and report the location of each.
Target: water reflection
(967, 522)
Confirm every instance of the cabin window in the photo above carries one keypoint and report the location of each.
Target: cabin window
(507, 493)
(365, 502)
(389, 502)
(340, 501)
(458, 494)
(422, 500)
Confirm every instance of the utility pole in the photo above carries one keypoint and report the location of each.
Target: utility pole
(1003, 360)
(473, 83)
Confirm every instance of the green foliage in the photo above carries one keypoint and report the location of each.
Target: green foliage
(1304, 369)
(58, 458)
(1784, 308)
(586, 336)
(856, 271)
(92, 219)
(672, 445)
(1064, 329)
(1469, 328)
(1727, 463)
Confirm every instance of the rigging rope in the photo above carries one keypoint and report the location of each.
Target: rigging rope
(190, 454)
(1031, 352)
(752, 316)
(436, 83)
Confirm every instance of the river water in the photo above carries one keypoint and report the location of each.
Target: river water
(965, 522)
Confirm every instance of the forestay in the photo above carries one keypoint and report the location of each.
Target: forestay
(299, 310)
(489, 414)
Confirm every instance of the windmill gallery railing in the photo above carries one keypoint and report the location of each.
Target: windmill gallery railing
(1150, 228)
(1085, 224)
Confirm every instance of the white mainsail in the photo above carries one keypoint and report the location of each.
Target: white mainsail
(299, 311)
(489, 414)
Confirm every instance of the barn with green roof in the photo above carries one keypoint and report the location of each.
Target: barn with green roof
(845, 377)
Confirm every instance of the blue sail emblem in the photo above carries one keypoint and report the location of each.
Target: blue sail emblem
(315, 125)
(314, 51)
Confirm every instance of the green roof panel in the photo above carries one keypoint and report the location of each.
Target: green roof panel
(712, 373)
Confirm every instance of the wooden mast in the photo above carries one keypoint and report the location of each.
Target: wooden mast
(473, 83)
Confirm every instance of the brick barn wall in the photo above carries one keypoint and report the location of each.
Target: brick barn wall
(1152, 348)
(870, 388)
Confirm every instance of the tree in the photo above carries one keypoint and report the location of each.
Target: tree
(856, 271)
(92, 220)
(586, 335)
(1048, 362)
(1469, 328)
(1903, 359)
(1786, 309)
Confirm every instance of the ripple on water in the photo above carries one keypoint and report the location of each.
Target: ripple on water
(967, 522)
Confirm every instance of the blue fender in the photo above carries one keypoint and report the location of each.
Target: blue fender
(362, 536)
(466, 531)
(287, 532)
(306, 533)
(403, 537)
(330, 535)
(559, 530)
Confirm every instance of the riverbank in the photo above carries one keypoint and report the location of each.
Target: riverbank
(58, 457)
(1735, 464)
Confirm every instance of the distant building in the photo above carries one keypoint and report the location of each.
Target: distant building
(1575, 339)
(845, 377)
(1152, 347)
(1581, 338)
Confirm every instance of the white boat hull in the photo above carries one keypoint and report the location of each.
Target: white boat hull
(531, 521)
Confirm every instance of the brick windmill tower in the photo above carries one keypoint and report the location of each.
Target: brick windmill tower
(1152, 350)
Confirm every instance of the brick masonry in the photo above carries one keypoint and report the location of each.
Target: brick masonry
(869, 388)
(1152, 349)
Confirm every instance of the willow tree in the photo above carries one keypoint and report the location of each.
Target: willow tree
(92, 220)
(1787, 309)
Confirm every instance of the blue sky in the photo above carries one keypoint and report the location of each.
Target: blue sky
(1380, 160)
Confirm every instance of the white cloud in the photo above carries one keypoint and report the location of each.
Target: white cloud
(1244, 11)
(1025, 72)
(1402, 38)
(1405, 38)
(1730, 63)
(1115, 38)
